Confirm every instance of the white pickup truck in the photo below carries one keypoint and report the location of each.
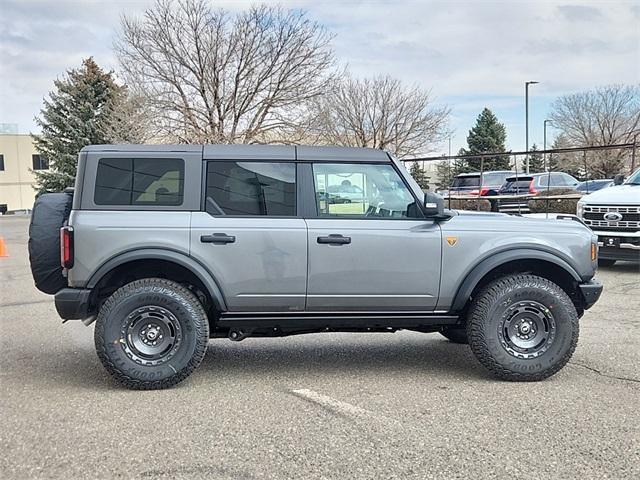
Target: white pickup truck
(613, 213)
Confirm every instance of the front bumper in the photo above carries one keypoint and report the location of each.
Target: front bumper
(591, 292)
(73, 303)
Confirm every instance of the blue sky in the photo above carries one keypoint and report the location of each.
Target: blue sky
(469, 54)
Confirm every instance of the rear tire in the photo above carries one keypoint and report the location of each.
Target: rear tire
(605, 262)
(151, 334)
(522, 327)
(456, 335)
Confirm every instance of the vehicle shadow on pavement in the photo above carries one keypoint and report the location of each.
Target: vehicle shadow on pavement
(305, 356)
(622, 267)
(429, 356)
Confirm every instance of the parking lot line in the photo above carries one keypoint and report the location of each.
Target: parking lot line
(334, 405)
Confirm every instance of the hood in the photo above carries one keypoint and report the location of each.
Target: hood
(501, 222)
(619, 194)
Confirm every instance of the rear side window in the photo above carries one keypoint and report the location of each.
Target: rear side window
(251, 188)
(140, 181)
(557, 180)
(466, 181)
(513, 184)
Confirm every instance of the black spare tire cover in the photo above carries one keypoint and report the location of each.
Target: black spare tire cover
(50, 212)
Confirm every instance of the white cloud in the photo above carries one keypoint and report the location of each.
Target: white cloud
(473, 53)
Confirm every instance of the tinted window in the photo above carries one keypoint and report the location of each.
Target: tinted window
(362, 190)
(251, 188)
(39, 162)
(1, 162)
(466, 181)
(522, 183)
(140, 181)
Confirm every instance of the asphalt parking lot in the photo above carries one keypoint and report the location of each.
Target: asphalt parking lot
(403, 405)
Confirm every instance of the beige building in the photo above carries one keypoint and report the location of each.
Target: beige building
(18, 158)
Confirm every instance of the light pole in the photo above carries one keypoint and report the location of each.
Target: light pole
(545, 144)
(526, 120)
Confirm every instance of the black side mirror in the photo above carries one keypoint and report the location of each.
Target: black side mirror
(433, 205)
(618, 179)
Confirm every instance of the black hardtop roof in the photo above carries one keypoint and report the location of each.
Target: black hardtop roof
(255, 152)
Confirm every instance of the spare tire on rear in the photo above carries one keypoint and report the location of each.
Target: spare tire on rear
(50, 212)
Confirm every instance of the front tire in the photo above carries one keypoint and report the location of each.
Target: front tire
(151, 334)
(522, 327)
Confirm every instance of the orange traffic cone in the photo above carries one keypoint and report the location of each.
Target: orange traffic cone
(3, 248)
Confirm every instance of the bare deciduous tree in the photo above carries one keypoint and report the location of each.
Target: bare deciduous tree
(604, 116)
(128, 120)
(380, 113)
(212, 76)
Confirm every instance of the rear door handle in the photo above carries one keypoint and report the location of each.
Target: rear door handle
(334, 239)
(218, 238)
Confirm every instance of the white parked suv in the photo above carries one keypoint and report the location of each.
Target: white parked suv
(614, 215)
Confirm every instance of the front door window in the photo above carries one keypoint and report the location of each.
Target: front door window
(361, 190)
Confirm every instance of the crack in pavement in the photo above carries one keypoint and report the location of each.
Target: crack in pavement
(599, 372)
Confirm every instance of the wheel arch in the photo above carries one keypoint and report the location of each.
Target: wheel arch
(148, 257)
(539, 262)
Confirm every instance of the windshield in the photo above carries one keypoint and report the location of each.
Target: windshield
(634, 179)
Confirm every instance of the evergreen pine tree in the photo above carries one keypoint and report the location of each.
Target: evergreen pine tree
(73, 116)
(445, 172)
(487, 136)
(536, 160)
(419, 175)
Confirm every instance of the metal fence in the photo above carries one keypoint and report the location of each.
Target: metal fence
(550, 180)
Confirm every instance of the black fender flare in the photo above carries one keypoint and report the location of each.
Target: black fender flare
(173, 256)
(495, 260)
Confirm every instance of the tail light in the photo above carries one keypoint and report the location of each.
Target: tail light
(66, 247)
(483, 191)
(532, 188)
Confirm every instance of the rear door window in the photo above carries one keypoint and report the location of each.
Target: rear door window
(251, 188)
(140, 181)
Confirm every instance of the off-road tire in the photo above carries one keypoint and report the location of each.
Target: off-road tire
(456, 335)
(492, 305)
(50, 212)
(606, 262)
(110, 335)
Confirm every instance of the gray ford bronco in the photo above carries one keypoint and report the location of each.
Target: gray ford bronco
(168, 246)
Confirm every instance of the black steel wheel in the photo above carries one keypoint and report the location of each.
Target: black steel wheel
(522, 327)
(526, 329)
(151, 334)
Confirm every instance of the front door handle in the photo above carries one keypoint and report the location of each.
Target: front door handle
(218, 238)
(334, 239)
